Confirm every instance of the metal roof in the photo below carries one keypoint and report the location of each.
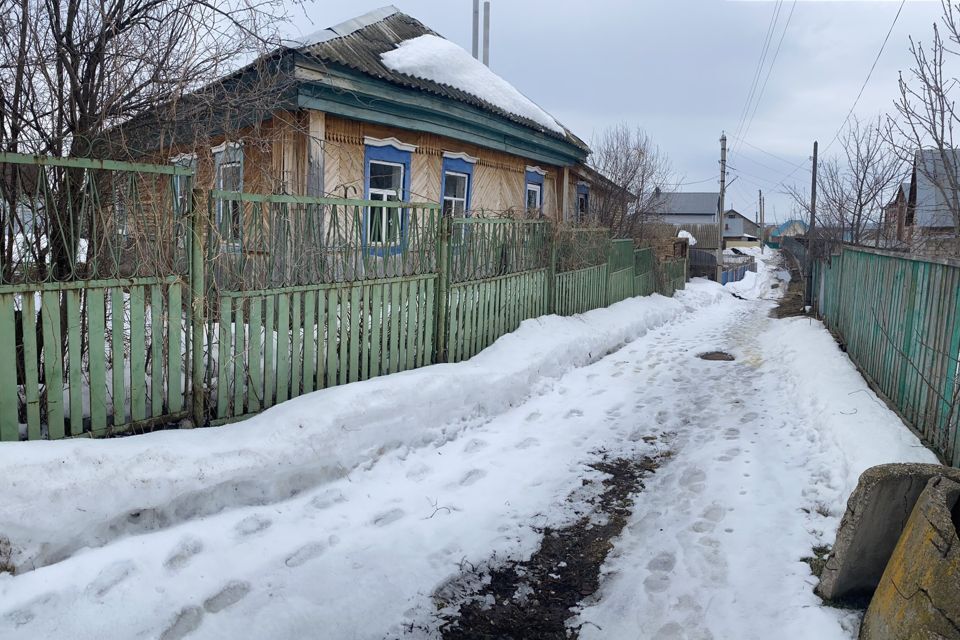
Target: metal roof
(690, 203)
(358, 44)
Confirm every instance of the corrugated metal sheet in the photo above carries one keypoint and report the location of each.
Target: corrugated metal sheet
(358, 44)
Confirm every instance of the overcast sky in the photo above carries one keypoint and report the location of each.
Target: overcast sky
(682, 70)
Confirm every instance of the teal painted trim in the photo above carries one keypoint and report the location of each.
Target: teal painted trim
(380, 102)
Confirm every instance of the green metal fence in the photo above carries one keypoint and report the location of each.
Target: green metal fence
(899, 319)
(645, 276)
(672, 276)
(130, 301)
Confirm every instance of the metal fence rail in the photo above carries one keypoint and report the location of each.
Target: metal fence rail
(899, 318)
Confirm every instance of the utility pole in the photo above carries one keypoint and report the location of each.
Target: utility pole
(723, 190)
(808, 297)
(760, 192)
(486, 33)
(476, 29)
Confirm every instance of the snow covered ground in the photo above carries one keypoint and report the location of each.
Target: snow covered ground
(341, 512)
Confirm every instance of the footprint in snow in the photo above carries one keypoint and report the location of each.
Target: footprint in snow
(731, 433)
(474, 445)
(472, 476)
(28, 612)
(109, 578)
(574, 413)
(714, 513)
(533, 416)
(388, 517)
(328, 498)
(748, 418)
(186, 622)
(702, 526)
(251, 525)
(232, 593)
(665, 561)
(305, 554)
(181, 555)
(528, 443)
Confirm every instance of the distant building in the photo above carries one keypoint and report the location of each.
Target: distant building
(790, 228)
(931, 218)
(737, 226)
(689, 207)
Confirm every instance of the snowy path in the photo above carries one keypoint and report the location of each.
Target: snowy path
(763, 452)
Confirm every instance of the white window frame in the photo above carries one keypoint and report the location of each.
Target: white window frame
(387, 211)
(229, 154)
(531, 186)
(453, 199)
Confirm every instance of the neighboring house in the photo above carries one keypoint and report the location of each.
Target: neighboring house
(929, 221)
(683, 208)
(381, 107)
(737, 226)
(790, 228)
(895, 215)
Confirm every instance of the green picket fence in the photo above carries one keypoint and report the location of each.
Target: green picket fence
(899, 318)
(274, 345)
(129, 301)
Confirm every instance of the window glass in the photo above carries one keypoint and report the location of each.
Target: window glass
(386, 184)
(454, 194)
(533, 196)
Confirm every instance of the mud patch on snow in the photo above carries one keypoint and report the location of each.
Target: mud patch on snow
(717, 356)
(533, 599)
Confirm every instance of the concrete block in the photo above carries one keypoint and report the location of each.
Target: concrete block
(919, 592)
(877, 511)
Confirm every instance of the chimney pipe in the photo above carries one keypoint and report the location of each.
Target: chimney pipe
(486, 33)
(476, 29)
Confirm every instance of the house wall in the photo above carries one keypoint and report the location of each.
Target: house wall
(499, 179)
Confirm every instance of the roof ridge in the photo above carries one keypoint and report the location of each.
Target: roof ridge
(346, 27)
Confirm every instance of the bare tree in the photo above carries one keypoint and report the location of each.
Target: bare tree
(928, 115)
(854, 187)
(636, 173)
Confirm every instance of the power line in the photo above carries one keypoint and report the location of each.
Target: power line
(763, 87)
(869, 75)
(771, 28)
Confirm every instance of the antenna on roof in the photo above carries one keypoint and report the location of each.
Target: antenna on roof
(486, 33)
(476, 29)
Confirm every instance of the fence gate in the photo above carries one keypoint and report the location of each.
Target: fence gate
(95, 317)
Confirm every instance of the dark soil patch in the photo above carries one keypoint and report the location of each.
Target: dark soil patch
(718, 356)
(791, 304)
(818, 560)
(533, 599)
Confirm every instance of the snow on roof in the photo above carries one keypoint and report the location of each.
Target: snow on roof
(430, 57)
(683, 233)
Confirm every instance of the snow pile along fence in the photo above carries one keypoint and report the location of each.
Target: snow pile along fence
(899, 318)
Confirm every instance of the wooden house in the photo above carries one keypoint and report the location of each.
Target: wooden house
(379, 107)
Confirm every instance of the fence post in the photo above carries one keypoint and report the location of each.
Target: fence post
(443, 286)
(551, 288)
(197, 309)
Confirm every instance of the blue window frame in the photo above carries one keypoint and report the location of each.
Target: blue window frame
(534, 197)
(456, 187)
(386, 178)
(583, 202)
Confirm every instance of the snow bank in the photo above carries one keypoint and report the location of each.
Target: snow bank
(855, 423)
(95, 491)
(433, 58)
